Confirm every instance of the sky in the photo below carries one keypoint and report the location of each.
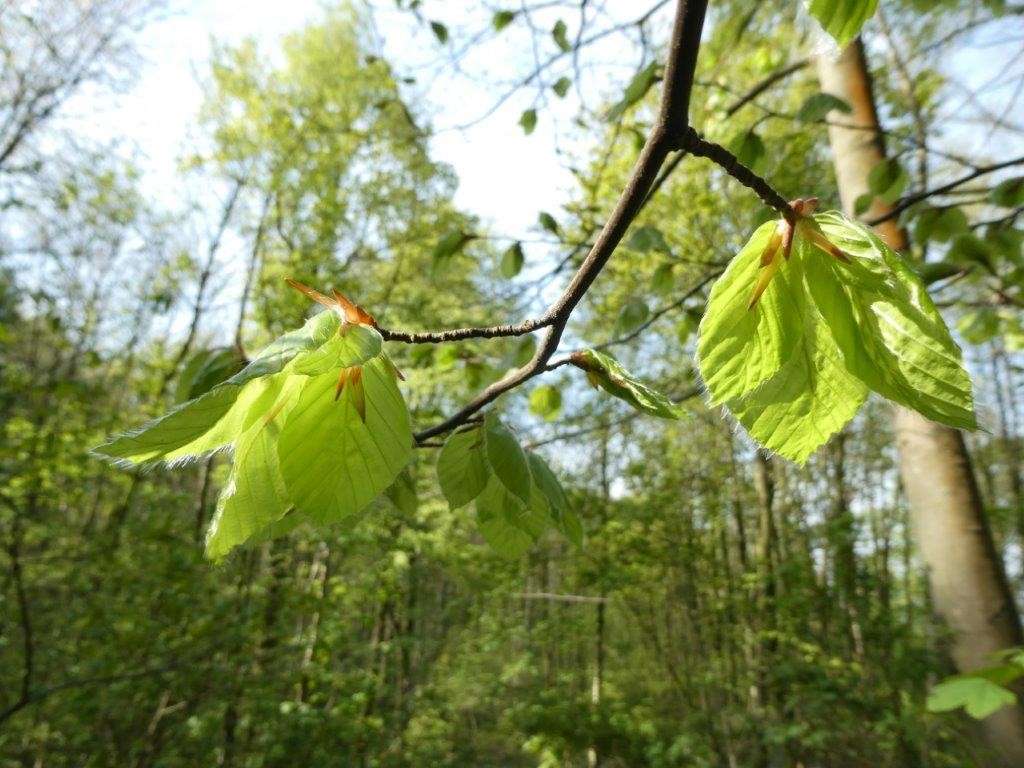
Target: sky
(505, 176)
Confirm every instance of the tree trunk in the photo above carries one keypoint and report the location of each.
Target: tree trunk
(965, 572)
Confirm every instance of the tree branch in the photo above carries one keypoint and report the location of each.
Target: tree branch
(669, 133)
(917, 197)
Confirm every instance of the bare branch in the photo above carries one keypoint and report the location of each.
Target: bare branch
(910, 200)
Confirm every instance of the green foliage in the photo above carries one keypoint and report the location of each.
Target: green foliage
(646, 239)
(817, 106)
(205, 370)
(795, 367)
(982, 691)
(1009, 193)
(517, 496)
(842, 18)
(749, 149)
(546, 402)
(528, 120)
(512, 260)
(296, 443)
(561, 86)
(605, 372)
(560, 34)
(887, 180)
(635, 91)
(502, 19)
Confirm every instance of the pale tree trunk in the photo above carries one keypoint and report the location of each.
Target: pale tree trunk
(965, 573)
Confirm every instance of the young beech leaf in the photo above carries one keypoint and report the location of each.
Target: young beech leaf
(358, 344)
(978, 696)
(546, 402)
(462, 468)
(605, 372)
(333, 461)
(739, 349)
(506, 458)
(889, 331)
(560, 511)
(843, 315)
(255, 497)
(197, 427)
(215, 419)
(506, 522)
(807, 401)
(842, 18)
(205, 370)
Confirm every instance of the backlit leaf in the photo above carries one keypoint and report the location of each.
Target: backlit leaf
(842, 19)
(334, 463)
(604, 371)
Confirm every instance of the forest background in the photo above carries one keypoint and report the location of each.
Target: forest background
(725, 607)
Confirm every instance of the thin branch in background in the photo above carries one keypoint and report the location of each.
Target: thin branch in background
(910, 200)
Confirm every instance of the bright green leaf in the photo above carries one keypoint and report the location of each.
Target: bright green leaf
(546, 402)
(255, 497)
(356, 346)
(890, 333)
(333, 462)
(740, 348)
(842, 19)
(605, 372)
(561, 87)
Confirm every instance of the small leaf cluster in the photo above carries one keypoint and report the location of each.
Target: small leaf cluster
(317, 425)
(795, 367)
(517, 495)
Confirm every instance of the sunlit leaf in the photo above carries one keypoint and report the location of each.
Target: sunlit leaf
(842, 19)
(605, 372)
(979, 697)
(817, 106)
(890, 333)
(546, 402)
(334, 463)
